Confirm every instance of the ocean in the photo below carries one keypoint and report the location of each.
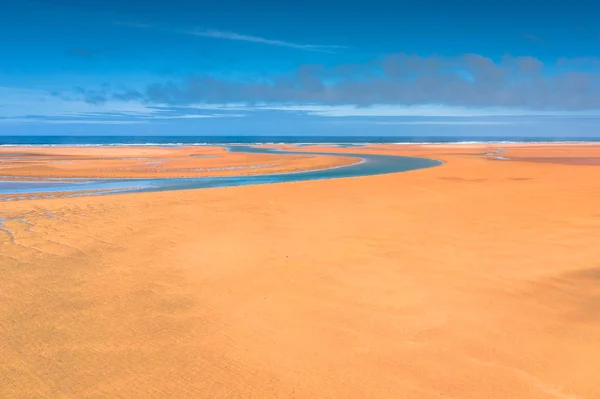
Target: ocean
(209, 140)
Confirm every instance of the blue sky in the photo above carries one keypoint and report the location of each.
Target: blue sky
(516, 68)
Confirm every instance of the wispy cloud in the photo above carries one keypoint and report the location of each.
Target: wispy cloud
(226, 35)
(391, 110)
(256, 39)
(446, 122)
(69, 121)
(20, 106)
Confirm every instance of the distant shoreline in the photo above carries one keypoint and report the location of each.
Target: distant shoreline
(177, 141)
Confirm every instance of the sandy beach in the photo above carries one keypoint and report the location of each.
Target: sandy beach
(475, 279)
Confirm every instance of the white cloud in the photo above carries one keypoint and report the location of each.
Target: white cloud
(17, 102)
(197, 116)
(392, 110)
(428, 110)
(37, 106)
(69, 121)
(447, 122)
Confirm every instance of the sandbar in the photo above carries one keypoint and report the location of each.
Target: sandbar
(151, 162)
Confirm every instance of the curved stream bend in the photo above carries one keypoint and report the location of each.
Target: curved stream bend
(371, 165)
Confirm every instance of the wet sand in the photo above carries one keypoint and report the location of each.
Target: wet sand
(479, 278)
(147, 162)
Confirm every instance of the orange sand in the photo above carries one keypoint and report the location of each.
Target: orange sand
(476, 279)
(151, 162)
